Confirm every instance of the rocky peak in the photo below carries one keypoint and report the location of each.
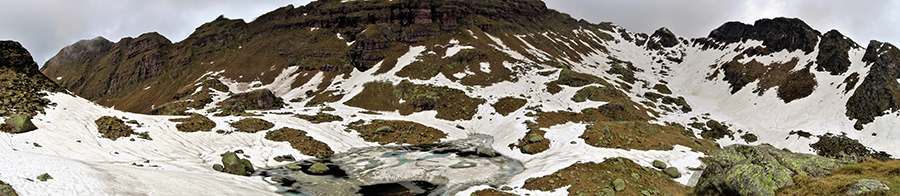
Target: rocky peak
(16, 57)
(80, 51)
(833, 53)
(666, 39)
(777, 34)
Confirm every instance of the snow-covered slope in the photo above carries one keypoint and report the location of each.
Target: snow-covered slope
(571, 83)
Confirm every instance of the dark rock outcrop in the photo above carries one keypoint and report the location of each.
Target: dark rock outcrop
(254, 100)
(879, 92)
(778, 34)
(667, 39)
(758, 170)
(833, 53)
(22, 85)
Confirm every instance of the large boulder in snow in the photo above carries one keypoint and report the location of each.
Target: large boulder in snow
(758, 170)
(18, 123)
(237, 166)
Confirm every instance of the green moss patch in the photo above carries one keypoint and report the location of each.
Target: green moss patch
(252, 125)
(300, 141)
(643, 136)
(398, 132)
(615, 176)
(113, 128)
(320, 117)
(450, 104)
(194, 123)
(507, 105)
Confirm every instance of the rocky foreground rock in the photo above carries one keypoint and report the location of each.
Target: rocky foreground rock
(758, 170)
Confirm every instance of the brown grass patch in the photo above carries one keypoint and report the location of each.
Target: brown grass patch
(491, 192)
(841, 179)
(325, 97)
(597, 178)
(451, 104)
(300, 141)
(507, 105)
(320, 117)
(252, 125)
(113, 128)
(254, 100)
(194, 123)
(398, 132)
(534, 141)
(643, 136)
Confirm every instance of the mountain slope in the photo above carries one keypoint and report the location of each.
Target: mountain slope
(551, 91)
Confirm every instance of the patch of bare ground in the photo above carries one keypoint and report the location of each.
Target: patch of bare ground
(194, 123)
(254, 100)
(450, 104)
(614, 176)
(643, 136)
(114, 128)
(252, 125)
(320, 117)
(300, 141)
(398, 132)
(491, 192)
(534, 141)
(507, 105)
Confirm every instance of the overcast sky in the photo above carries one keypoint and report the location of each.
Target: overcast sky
(46, 26)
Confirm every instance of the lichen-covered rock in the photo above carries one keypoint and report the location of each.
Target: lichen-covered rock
(44, 177)
(864, 186)
(659, 164)
(619, 184)
(758, 170)
(20, 123)
(218, 167)
(237, 166)
(7, 190)
(672, 172)
(318, 168)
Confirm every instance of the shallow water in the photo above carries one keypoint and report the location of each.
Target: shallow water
(435, 169)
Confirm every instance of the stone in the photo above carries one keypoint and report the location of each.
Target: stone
(21, 123)
(218, 167)
(234, 165)
(758, 170)
(294, 167)
(619, 184)
(659, 164)
(318, 168)
(535, 138)
(607, 192)
(44, 177)
(463, 164)
(864, 186)
(672, 172)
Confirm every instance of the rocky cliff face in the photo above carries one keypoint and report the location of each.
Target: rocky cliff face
(22, 85)
(114, 74)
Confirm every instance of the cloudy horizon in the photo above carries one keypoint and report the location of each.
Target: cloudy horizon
(46, 26)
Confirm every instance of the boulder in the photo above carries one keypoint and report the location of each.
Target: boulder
(864, 186)
(619, 184)
(672, 172)
(659, 164)
(44, 177)
(20, 123)
(237, 166)
(758, 170)
(6, 190)
(318, 168)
